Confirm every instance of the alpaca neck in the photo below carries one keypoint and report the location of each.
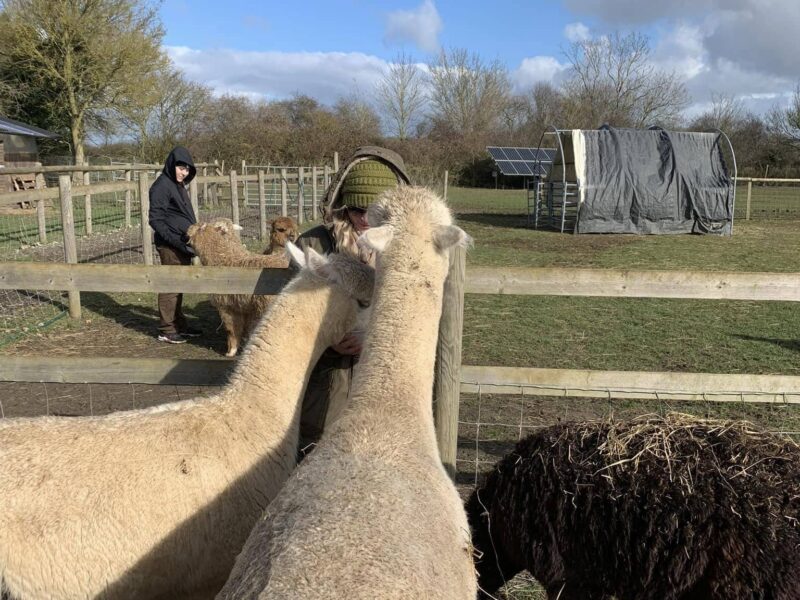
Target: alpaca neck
(400, 350)
(284, 347)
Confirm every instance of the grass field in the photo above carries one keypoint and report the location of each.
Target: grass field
(541, 331)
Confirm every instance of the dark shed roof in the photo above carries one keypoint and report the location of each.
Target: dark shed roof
(8, 126)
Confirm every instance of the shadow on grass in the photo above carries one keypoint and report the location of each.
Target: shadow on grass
(144, 319)
(793, 345)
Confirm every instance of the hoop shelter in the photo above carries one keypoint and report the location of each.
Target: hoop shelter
(650, 181)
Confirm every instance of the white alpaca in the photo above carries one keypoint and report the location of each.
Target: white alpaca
(157, 503)
(371, 513)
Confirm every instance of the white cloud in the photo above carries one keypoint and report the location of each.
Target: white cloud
(576, 32)
(326, 76)
(421, 26)
(536, 69)
(734, 47)
(681, 51)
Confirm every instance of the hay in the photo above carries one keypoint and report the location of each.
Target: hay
(680, 445)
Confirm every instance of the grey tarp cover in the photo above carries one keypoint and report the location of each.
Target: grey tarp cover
(654, 181)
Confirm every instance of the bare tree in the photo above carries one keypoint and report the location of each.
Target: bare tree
(726, 113)
(401, 95)
(784, 122)
(612, 80)
(467, 94)
(80, 59)
(167, 116)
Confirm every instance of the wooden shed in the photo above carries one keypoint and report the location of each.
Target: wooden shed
(18, 148)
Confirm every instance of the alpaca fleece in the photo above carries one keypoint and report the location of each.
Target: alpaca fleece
(653, 508)
(156, 503)
(371, 513)
(217, 245)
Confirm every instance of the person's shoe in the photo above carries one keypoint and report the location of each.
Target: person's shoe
(190, 332)
(171, 338)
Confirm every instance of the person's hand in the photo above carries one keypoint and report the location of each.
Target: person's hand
(349, 345)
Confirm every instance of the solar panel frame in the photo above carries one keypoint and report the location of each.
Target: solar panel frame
(526, 162)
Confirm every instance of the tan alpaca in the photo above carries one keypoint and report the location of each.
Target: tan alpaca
(371, 513)
(217, 245)
(156, 503)
(282, 230)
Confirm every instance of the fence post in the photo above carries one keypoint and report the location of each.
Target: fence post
(234, 198)
(144, 204)
(70, 246)
(128, 196)
(749, 196)
(314, 204)
(445, 186)
(215, 187)
(284, 194)
(40, 219)
(326, 178)
(193, 198)
(447, 386)
(243, 173)
(300, 199)
(335, 162)
(262, 204)
(205, 187)
(87, 204)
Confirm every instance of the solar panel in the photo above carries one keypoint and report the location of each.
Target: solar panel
(522, 161)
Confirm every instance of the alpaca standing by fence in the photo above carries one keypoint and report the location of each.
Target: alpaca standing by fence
(671, 508)
(156, 503)
(371, 513)
(217, 245)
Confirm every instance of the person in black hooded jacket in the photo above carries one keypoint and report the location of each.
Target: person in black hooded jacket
(171, 214)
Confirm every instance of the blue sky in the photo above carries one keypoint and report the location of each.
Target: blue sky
(741, 48)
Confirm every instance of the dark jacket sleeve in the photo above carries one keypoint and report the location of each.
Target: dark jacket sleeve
(160, 196)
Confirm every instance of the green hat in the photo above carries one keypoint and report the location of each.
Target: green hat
(365, 181)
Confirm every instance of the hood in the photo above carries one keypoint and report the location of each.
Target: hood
(179, 154)
(333, 195)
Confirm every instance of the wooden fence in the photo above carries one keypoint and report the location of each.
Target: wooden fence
(452, 378)
(766, 181)
(139, 185)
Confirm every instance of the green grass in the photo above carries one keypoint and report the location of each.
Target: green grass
(646, 334)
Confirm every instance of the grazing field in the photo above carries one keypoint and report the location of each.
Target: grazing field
(526, 331)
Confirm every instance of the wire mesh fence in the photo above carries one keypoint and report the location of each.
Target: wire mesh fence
(490, 424)
(106, 232)
(768, 199)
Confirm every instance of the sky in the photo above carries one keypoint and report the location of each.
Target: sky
(341, 48)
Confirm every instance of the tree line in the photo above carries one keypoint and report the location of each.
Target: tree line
(94, 72)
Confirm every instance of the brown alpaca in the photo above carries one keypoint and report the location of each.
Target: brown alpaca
(217, 245)
(283, 229)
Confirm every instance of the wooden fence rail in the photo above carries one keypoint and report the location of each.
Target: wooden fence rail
(452, 378)
(623, 385)
(88, 168)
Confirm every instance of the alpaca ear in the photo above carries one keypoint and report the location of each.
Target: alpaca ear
(222, 228)
(237, 227)
(447, 236)
(317, 263)
(376, 238)
(295, 255)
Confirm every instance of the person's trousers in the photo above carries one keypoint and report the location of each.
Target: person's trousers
(169, 304)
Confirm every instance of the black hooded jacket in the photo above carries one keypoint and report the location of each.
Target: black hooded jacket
(171, 211)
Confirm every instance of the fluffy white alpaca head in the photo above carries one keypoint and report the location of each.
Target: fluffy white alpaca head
(356, 278)
(412, 210)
